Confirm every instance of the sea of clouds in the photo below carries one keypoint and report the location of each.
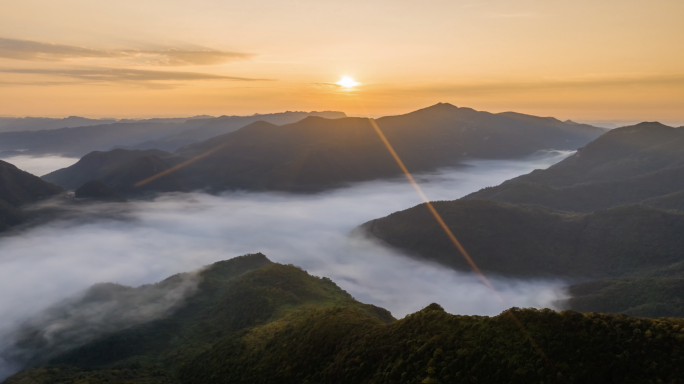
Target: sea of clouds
(142, 242)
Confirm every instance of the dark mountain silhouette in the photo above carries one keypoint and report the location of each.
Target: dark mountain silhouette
(317, 153)
(110, 165)
(97, 190)
(18, 188)
(671, 201)
(627, 191)
(135, 134)
(250, 321)
(626, 165)
(202, 129)
(529, 240)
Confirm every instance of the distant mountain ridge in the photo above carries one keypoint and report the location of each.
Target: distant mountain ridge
(8, 124)
(134, 134)
(316, 153)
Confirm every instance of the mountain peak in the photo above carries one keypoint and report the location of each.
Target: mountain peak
(651, 124)
(440, 106)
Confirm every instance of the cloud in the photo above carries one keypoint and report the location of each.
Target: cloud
(176, 57)
(326, 85)
(142, 242)
(38, 51)
(121, 75)
(102, 309)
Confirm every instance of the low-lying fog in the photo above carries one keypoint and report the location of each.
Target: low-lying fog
(143, 242)
(40, 165)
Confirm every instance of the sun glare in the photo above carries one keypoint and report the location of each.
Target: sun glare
(347, 82)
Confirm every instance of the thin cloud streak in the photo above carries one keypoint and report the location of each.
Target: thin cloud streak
(38, 51)
(120, 75)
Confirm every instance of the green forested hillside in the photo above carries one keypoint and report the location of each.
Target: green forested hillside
(654, 293)
(252, 321)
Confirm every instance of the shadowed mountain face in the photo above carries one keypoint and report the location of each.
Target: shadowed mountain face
(317, 153)
(203, 129)
(247, 320)
(97, 190)
(114, 168)
(642, 163)
(18, 188)
(166, 134)
(633, 249)
(527, 240)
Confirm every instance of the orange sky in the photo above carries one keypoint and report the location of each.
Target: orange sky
(582, 59)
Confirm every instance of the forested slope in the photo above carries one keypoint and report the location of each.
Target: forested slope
(252, 321)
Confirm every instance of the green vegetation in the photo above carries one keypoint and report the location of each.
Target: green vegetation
(253, 321)
(431, 346)
(656, 293)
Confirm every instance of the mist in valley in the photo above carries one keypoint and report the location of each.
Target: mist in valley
(40, 165)
(142, 242)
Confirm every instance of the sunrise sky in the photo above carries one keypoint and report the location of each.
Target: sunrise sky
(582, 59)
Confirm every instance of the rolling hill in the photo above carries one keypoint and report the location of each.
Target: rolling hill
(249, 321)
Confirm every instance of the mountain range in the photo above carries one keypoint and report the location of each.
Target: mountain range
(316, 153)
(169, 134)
(248, 320)
(609, 218)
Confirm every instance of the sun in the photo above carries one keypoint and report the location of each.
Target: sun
(347, 82)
